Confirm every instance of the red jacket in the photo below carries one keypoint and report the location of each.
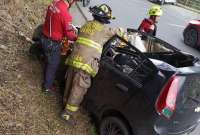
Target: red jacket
(148, 26)
(58, 22)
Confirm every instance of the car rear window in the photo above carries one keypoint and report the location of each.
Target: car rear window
(191, 91)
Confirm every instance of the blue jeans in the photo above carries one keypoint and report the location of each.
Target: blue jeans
(52, 50)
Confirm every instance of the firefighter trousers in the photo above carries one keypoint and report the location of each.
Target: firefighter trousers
(77, 84)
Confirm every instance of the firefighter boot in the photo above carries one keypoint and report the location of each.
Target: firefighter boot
(68, 117)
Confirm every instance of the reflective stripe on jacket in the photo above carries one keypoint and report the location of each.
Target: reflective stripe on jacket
(89, 43)
(88, 47)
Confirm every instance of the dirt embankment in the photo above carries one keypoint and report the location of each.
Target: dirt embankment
(24, 109)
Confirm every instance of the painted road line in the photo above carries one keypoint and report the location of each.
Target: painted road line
(176, 25)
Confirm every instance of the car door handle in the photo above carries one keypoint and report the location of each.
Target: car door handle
(122, 87)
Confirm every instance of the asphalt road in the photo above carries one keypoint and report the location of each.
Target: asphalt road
(130, 13)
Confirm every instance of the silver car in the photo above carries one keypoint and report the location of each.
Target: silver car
(164, 1)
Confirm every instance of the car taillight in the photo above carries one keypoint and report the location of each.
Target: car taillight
(166, 102)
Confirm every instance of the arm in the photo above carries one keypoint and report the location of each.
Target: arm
(68, 29)
(119, 31)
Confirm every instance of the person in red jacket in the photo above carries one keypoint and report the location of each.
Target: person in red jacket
(149, 25)
(57, 25)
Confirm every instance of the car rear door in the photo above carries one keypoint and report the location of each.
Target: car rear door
(138, 79)
(122, 71)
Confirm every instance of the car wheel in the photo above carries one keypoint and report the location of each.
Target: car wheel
(113, 126)
(191, 37)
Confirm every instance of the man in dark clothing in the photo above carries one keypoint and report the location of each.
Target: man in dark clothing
(57, 26)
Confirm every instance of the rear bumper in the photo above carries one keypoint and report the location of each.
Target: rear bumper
(161, 128)
(184, 131)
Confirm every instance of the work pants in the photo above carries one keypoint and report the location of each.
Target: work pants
(77, 84)
(52, 50)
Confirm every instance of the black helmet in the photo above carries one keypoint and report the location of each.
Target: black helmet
(102, 13)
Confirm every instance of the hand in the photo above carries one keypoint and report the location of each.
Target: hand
(75, 28)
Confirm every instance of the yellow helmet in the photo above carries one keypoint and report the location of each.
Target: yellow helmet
(155, 11)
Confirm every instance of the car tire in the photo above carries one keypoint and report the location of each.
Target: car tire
(191, 37)
(113, 126)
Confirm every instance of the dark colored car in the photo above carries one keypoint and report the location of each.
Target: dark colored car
(161, 2)
(191, 34)
(151, 92)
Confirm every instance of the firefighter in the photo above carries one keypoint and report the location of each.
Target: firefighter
(84, 59)
(57, 25)
(149, 25)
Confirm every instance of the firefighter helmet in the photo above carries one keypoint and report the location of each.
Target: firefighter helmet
(103, 11)
(155, 11)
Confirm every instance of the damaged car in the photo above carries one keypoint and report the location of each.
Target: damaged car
(145, 87)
